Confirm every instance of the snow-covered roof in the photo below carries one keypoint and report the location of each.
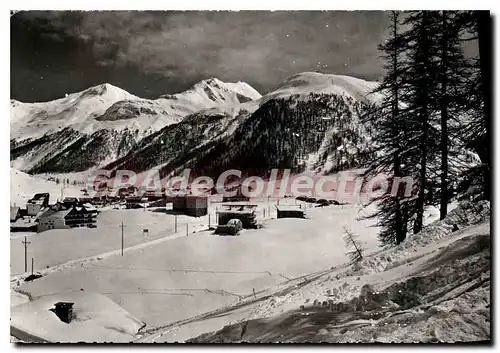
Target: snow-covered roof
(89, 207)
(103, 320)
(289, 208)
(54, 214)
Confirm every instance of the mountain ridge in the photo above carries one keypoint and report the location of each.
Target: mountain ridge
(131, 134)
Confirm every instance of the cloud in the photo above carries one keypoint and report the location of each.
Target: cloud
(177, 49)
(229, 44)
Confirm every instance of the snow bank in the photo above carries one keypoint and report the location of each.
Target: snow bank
(96, 318)
(464, 215)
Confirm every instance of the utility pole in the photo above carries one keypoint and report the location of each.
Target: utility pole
(26, 243)
(122, 226)
(32, 265)
(175, 223)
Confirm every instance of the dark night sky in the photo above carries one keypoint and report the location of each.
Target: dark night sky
(153, 53)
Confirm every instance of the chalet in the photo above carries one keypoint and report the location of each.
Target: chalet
(290, 211)
(245, 213)
(15, 213)
(81, 216)
(59, 216)
(191, 205)
(37, 203)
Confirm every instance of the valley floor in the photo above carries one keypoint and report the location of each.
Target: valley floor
(181, 286)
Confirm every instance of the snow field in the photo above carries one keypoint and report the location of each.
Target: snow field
(187, 276)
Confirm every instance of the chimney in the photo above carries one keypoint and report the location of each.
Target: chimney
(64, 311)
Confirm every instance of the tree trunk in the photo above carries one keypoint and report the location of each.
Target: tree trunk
(443, 209)
(424, 122)
(484, 43)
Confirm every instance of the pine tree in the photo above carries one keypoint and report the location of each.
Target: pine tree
(476, 25)
(355, 252)
(418, 96)
(451, 78)
(386, 121)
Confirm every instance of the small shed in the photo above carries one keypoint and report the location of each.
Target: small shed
(191, 205)
(290, 211)
(245, 213)
(196, 206)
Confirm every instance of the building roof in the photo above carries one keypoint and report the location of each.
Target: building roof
(227, 212)
(196, 197)
(39, 198)
(238, 209)
(89, 207)
(289, 208)
(54, 214)
(36, 202)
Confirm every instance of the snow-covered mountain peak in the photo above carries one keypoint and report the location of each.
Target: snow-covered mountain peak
(313, 82)
(105, 89)
(212, 91)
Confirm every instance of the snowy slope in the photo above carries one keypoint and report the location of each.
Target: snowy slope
(312, 82)
(212, 91)
(177, 145)
(434, 287)
(23, 186)
(30, 120)
(108, 107)
(311, 122)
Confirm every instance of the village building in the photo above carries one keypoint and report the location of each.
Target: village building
(37, 203)
(191, 205)
(20, 224)
(290, 211)
(60, 216)
(245, 213)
